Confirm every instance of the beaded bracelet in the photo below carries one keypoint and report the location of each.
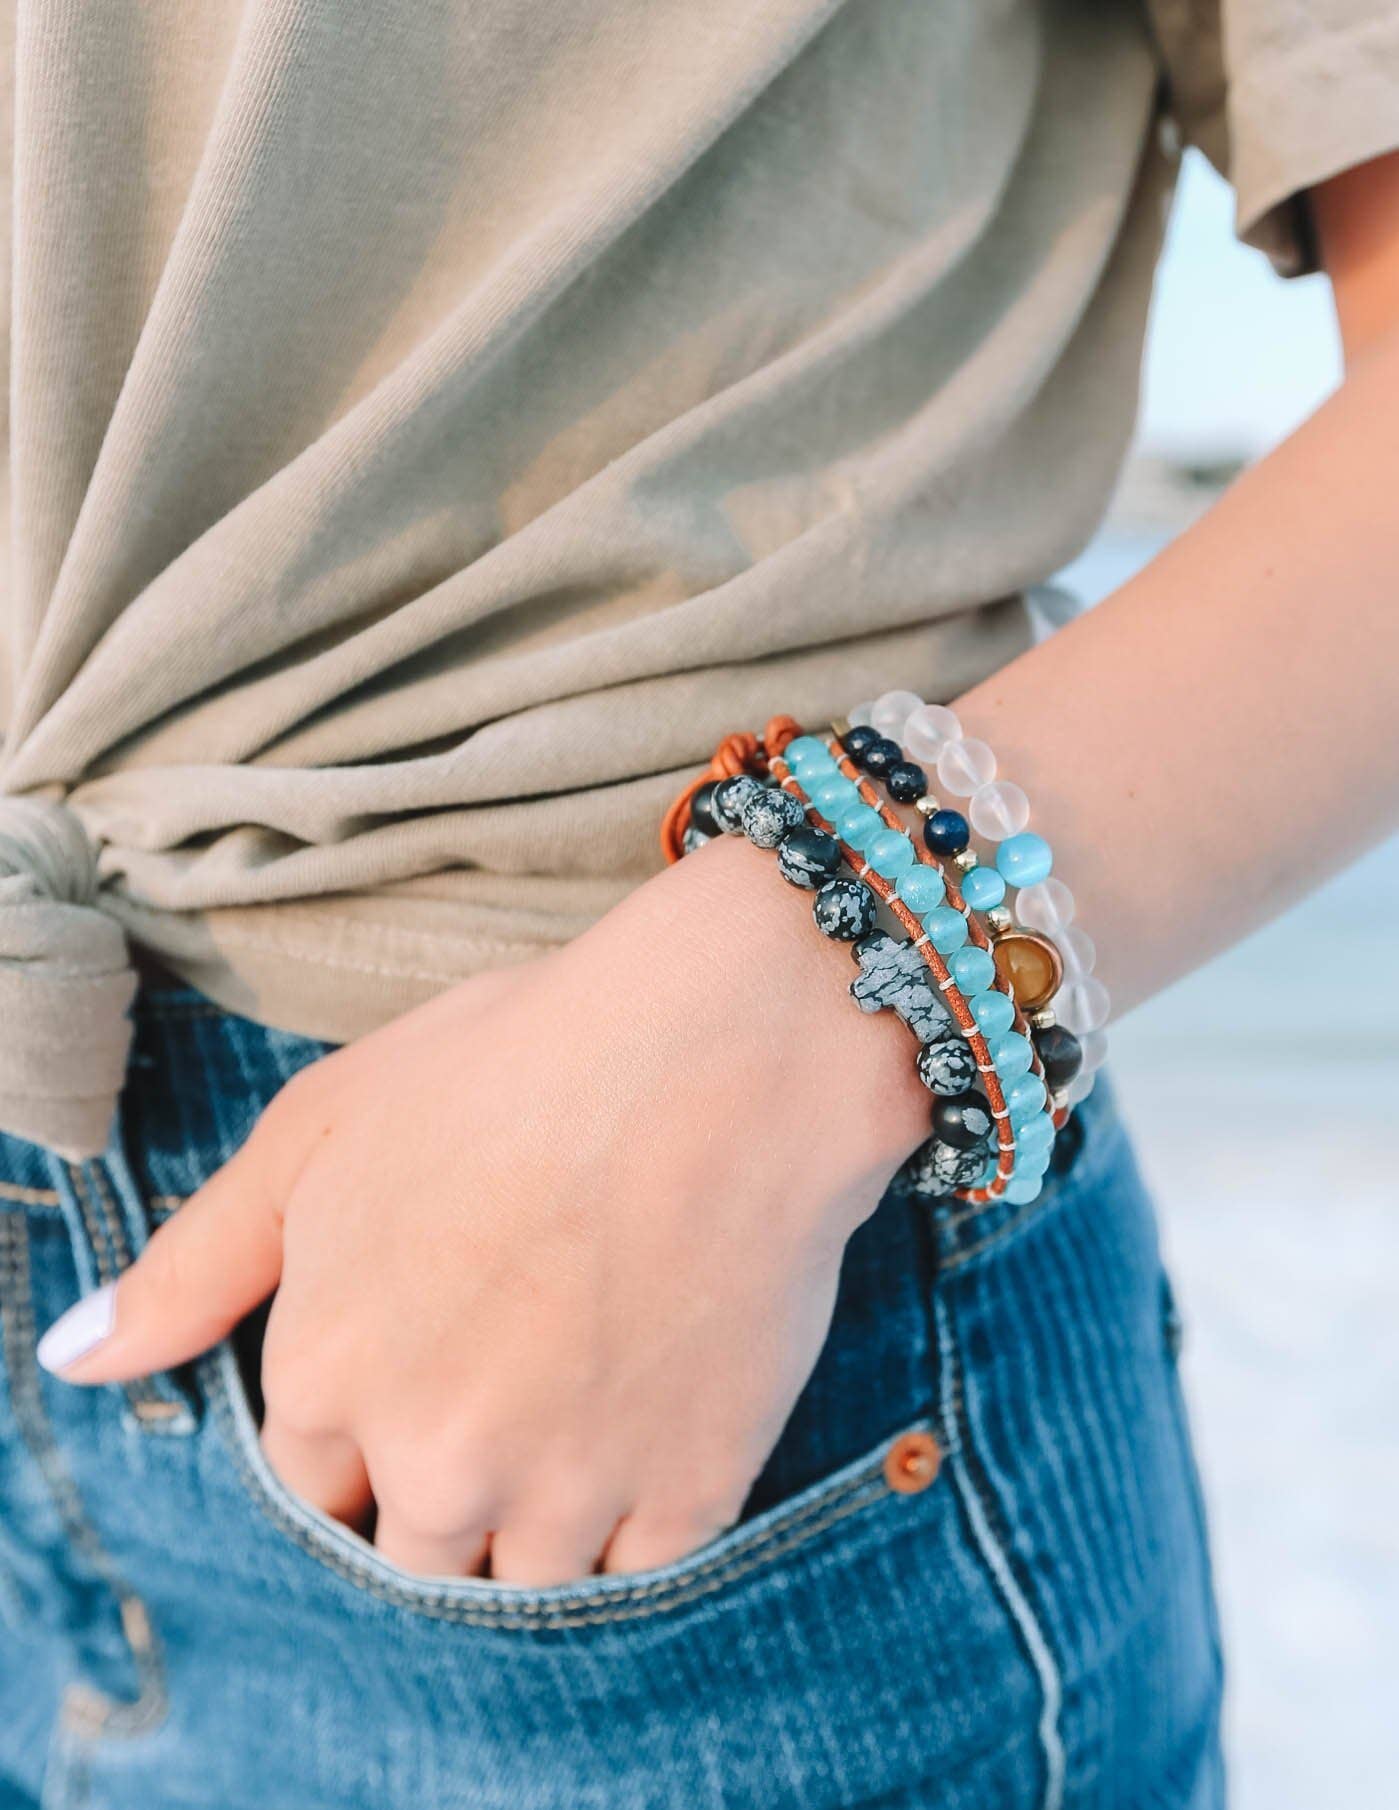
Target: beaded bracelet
(1069, 1023)
(957, 1154)
(1012, 1052)
(727, 799)
(938, 1066)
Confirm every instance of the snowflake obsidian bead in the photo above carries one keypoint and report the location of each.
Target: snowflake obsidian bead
(947, 1065)
(965, 1121)
(768, 815)
(844, 909)
(936, 1168)
(807, 856)
(693, 839)
(728, 799)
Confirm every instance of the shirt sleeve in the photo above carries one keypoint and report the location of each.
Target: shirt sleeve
(1279, 95)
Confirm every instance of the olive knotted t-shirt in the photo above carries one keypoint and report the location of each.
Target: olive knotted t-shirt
(432, 427)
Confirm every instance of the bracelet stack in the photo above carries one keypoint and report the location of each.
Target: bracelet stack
(983, 989)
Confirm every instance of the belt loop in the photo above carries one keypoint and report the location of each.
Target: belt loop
(103, 1205)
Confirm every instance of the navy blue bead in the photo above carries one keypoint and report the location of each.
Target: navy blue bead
(880, 756)
(844, 909)
(947, 832)
(702, 815)
(907, 782)
(856, 740)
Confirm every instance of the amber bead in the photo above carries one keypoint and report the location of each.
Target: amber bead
(1032, 967)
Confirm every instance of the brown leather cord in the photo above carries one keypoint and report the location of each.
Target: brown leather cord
(740, 753)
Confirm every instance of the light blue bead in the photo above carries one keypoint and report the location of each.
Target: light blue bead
(1012, 1055)
(891, 854)
(922, 887)
(946, 928)
(859, 825)
(832, 796)
(1031, 1162)
(983, 888)
(1026, 859)
(1021, 1190)
(806, 752)
(973, 970)
(1035, 1134)
(993, 1013)
(1025, 1097)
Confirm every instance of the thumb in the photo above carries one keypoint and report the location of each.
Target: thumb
(200, 1274)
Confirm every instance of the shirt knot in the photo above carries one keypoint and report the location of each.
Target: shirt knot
(66, 984)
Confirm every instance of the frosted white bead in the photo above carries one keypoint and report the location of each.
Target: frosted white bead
(999, 810)
(1080, 1087)
(861, 717)
(1095, 1050)
(1082, 1005)
(891, 712)
(965, 766)
(1078, 950)
(929, 729)
(1047, 906)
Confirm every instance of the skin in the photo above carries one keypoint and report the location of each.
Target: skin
(543, 1304)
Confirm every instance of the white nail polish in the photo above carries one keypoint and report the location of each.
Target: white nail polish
(81, 1330)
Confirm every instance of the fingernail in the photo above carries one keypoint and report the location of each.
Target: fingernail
(81, 1330)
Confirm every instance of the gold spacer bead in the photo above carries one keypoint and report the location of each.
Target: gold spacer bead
(840, 726)
(926, 805)
(967, 860)
(1044, 1020)
(999, 919)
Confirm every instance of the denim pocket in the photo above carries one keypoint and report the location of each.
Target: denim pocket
(780, 1535)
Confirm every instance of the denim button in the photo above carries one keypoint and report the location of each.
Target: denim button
(912, 1463)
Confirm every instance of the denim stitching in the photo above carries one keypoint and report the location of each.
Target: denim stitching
(984, 1516)
(638, 1602)
(105, 1714)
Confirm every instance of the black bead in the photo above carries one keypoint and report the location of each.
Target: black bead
(806, 856)
(1061, 1053)
(702, 816)
(844, 909)
(946, 832)
(907, 782)
(856, 740)
(964, 1121)
(880, 756)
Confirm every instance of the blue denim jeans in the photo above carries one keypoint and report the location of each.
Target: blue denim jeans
(1033, 1628)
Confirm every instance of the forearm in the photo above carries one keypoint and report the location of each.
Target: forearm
(1222, 733)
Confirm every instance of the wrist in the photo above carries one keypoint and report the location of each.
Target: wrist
(776, 994)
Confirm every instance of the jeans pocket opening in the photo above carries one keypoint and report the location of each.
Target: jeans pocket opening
(753, 1545)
